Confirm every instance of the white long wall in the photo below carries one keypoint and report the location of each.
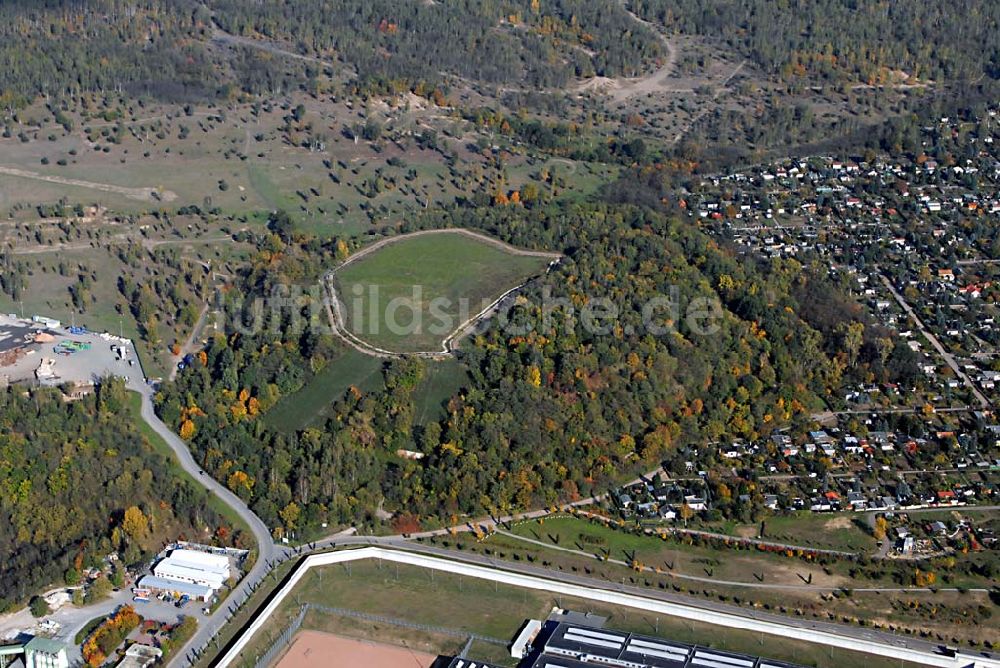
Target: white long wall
(597, 594)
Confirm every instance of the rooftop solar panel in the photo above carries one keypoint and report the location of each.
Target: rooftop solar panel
(595, 634)
(584, 640)
(679, 657)
(717, 663)
(658, 644)
(734, 660)
(710, 663)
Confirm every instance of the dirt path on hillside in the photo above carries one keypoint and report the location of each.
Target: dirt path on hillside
(141, 194)
(622, 89)
(189, 344)
(220, 36)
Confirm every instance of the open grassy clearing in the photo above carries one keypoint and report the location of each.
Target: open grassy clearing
(674, 556)
(442, 380)
(412, 293)
(48, 295)
(308, 406)
(831, 532)
(750, 566)
(418, 595)
(57, 258)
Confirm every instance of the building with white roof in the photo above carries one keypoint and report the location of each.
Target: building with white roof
(194, 567)
(175, 588)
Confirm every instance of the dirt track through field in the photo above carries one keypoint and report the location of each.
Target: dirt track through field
(312, 648)
(141, 194)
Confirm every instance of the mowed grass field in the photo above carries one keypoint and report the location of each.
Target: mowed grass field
(411, 294)
(309, 407)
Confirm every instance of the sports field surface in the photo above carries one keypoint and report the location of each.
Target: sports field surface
(312, 648)
(411, 293)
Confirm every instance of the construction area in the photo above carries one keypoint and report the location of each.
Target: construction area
(42, 351)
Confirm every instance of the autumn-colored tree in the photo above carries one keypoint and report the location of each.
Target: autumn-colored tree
(290, 515)
(135, 524)
(529, 193)
(239, 481)
(881, 528)
(405, 523)
(239, 410)
(109, 635)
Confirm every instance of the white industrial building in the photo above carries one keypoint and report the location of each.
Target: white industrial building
(194, 567)
(522, 643)
(38, 652)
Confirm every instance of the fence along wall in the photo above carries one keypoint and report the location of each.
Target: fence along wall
(596, 594)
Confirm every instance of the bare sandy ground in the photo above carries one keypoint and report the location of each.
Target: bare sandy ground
(313, 648)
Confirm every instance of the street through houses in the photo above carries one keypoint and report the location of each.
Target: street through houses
(945, 355)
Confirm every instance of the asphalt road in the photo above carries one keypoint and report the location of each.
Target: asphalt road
(267, 552)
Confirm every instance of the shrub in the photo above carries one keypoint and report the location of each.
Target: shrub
(39, 607)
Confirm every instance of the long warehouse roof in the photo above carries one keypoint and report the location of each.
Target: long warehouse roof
(576, 646)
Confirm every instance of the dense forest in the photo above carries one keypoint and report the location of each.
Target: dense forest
(864, 41)
(539, 43)
(166, 49)
(551, 415)
(78, 482)
(58, 47)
